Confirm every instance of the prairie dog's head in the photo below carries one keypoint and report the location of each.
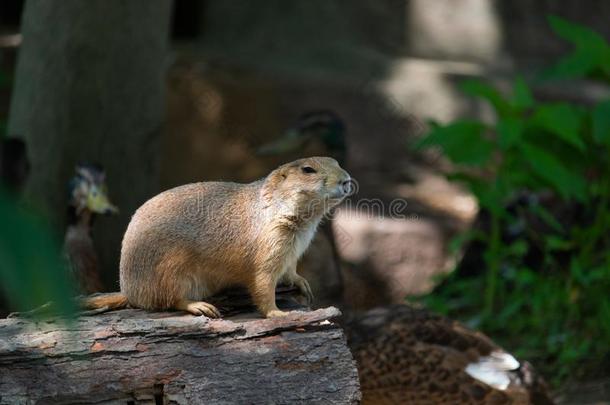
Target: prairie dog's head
(312, 185)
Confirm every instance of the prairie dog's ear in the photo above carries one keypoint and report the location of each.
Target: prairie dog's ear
(277, 176)
(272, 182)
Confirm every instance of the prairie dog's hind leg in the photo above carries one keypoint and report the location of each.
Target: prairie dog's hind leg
(198, 308)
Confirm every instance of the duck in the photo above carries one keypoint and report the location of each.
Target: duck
(409, 355)
(317, 130)
(88, 198)
(322, 129)
(404, 354)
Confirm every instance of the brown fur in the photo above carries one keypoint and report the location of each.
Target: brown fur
(82, 256)
(110, 301)
(190, 242)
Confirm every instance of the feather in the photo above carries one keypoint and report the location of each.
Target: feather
(494, 369)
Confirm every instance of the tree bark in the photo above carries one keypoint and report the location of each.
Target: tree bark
(90, 87)
(132, 356)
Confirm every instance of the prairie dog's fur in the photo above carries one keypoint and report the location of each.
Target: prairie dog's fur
(189, 242)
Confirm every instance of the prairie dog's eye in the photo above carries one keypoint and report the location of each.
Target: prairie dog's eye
(308, 169)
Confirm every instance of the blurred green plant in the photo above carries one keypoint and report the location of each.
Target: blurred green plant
(32, 268)
(556, 313)
(32, 271)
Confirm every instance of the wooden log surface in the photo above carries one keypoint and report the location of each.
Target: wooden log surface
(135, 357)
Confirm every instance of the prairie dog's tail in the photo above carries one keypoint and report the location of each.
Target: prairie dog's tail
(109, 301)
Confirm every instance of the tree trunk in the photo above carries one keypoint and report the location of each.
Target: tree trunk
(132, 356)
(90, 87)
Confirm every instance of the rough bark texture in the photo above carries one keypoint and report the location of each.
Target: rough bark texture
(90, 87)
(132, 356)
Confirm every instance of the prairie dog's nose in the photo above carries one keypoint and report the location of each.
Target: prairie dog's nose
(348, 186)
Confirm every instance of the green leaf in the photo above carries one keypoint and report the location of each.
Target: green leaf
(577, 272)
(510, 310)
(463, 142)
(554, 173)
(518, 248)
(601, 123)
(526, 277)
(578, 64)
(32, 271)
(554, 242)
(577, 34)
(509, 132)
(490, 198)
(479, 89)
(590, 54)
(522, 95)
(562, 120)
(461, 240)
(547, 217)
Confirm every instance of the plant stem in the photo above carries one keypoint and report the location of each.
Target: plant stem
(598, 228)
(493, 264)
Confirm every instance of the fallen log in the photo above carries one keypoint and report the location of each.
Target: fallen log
(138, 357)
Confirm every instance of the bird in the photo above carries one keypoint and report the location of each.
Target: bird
(317, 129)
(409, 355)
(87, 198)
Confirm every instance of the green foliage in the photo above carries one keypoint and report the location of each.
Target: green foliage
(31, 268)
(590, 56)
(601, 123)
(556, 313)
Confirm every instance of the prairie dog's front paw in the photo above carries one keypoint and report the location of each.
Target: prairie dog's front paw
(303, 286)
(275, 313)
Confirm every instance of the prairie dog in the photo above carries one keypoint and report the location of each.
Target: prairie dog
(188, 243)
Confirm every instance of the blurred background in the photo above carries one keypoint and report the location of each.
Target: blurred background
(477, 130)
